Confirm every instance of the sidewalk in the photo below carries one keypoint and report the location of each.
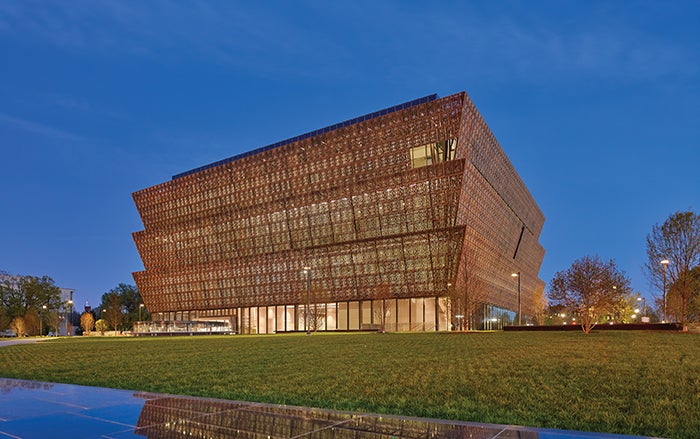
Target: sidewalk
(19, 340)
(32, 409)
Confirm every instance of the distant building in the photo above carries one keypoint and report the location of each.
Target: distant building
(404, 217)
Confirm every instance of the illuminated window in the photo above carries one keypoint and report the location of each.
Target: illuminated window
(433, 153)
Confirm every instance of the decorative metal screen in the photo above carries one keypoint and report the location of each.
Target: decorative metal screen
(412, 199)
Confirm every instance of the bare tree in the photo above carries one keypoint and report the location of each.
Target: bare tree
(676, 242)
(540, 303)
(53, 321)
(87, 322)
(17, 325)
(317, 316)
(468, 294)
(682, 306)
(31, 322)
(383, 306)
(316, 308)
(113, 310)
(590, 288)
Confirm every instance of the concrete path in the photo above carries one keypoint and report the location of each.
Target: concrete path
(19, 340)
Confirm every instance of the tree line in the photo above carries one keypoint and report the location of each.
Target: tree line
(32, 305)
(591, 290)
(120, 308)
(597, 291)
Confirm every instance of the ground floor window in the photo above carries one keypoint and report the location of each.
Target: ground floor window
(416, 314)
(394, 315)
(490, 317)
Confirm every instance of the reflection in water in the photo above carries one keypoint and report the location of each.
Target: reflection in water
(174, 418)
(7, 385)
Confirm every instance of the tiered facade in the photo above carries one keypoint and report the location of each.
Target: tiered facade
(411, 218)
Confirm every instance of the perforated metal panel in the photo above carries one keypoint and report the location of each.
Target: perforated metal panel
(348, 202)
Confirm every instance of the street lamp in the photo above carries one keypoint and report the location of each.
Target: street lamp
(519, 305)
(307, 270)
(68, 305)
(141, 305)
(41, 321)
(459, 318)
(644, 309)
(664, 263)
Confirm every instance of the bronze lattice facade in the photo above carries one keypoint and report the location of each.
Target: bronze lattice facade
(414, 206)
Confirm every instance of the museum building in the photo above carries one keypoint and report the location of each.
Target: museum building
(411, 218)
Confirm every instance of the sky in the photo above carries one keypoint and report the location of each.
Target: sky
(597, 105)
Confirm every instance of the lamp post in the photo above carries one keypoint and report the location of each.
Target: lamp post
(664, 263)
(645, 319)
(307, 270)
(137, 326)
(68, 305)
(520, 322)
(453, 304)
(459, 318)
(41, 321)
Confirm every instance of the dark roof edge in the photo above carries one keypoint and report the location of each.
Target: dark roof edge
(336, 126)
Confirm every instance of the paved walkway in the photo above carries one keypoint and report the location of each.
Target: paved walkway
(32, 409)
(19, 340)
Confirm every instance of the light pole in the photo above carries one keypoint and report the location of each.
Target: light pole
(453, 303)
(459, 318)
(644, 309)
(68, 305)
(307, 270)
(41, 321)
(520, 322)
(664, 263)
(138, 324)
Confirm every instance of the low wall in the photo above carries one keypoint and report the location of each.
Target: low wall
(601, 327)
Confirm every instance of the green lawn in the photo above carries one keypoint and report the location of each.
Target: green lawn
(623, 382)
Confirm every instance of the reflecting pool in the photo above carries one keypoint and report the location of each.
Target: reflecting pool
(32, 409)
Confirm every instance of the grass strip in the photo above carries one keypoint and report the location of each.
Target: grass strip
(628, 382)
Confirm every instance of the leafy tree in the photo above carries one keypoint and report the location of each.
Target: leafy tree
(87, 322)
(129, 302)
(102, 326)
(24, 296)
(31, 322)
(677, 240)
(4, 319)
(591, 289)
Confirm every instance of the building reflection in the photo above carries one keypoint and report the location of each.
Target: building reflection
(175, 418)
(8, 385)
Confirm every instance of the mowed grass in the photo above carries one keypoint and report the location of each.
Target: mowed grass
(643, 383)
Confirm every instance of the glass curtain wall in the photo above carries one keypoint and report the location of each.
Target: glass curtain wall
(417, 314)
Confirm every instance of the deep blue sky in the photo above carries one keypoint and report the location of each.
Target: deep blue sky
(597, 105)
